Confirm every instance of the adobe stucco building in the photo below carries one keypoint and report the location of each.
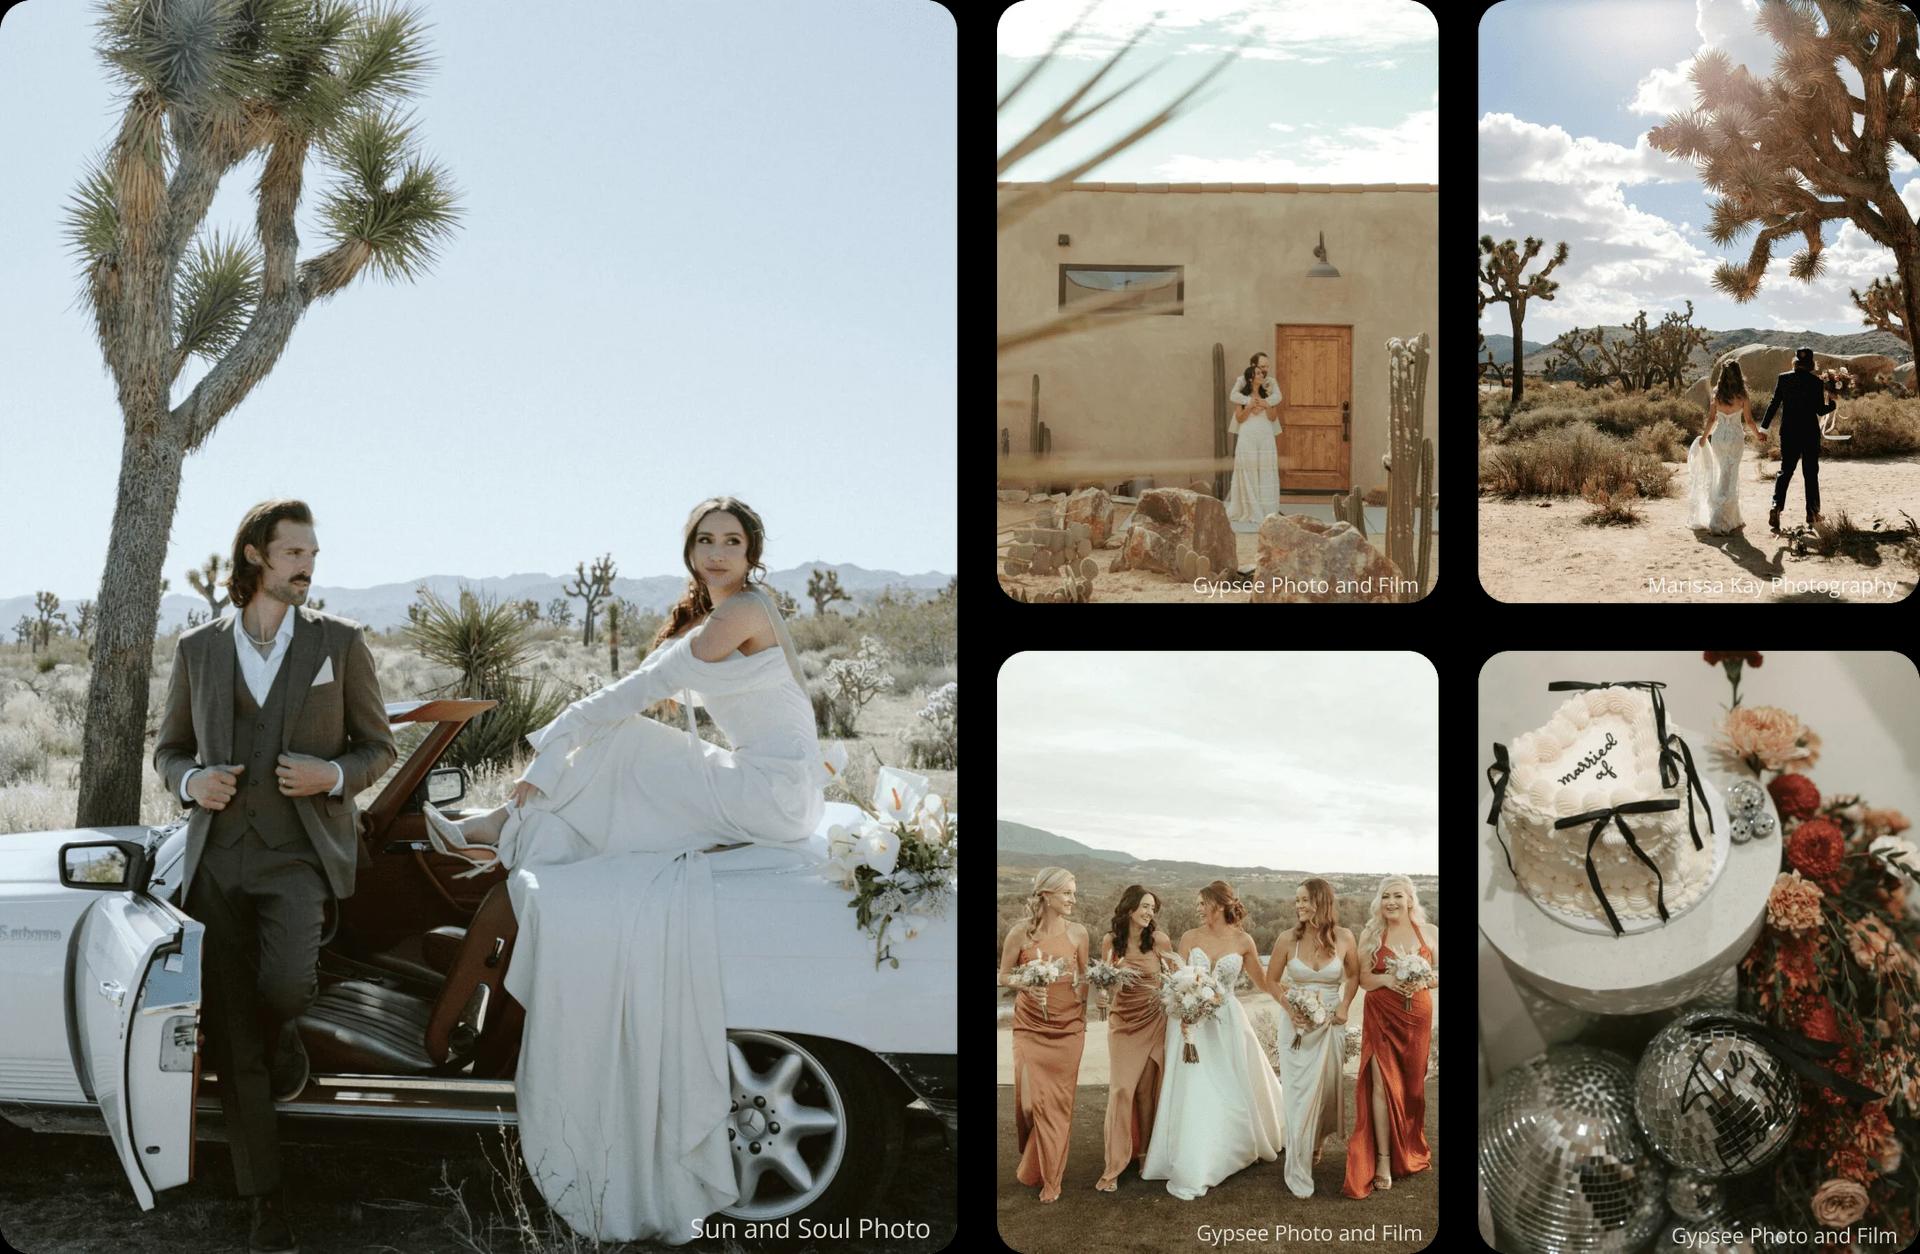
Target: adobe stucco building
(1140, 392)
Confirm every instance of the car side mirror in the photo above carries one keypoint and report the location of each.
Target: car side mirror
(446, 784)
(108, 865)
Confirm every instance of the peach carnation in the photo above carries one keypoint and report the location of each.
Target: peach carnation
(1765, 737)
(1794, 903)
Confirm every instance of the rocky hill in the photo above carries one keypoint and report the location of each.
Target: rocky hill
(1722, 341)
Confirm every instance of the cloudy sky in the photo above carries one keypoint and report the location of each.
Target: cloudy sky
(1568, 91)
(1328, 91)
(1303, 761)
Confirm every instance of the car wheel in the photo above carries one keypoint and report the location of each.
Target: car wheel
(814, 1128)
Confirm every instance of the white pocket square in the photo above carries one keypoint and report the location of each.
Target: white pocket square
(326, 673)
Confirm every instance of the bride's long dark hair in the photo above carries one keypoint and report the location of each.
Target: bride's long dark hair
(1246, 376)
(1731, 386)
(695, 602)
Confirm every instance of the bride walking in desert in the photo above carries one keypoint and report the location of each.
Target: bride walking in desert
(1713, 459)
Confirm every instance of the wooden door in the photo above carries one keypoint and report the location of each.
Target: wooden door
(1314, 367)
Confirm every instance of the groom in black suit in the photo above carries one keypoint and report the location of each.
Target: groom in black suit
(1801, 394)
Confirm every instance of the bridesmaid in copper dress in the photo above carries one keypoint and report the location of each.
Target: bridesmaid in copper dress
(1136, 1032)
(1390, 1101)
(1047, 1041)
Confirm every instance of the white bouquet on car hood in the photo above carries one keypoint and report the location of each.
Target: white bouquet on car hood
(899, 861)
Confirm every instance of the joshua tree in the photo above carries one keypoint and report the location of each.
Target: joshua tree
(1884, 305)
(560, 612)
(592, 586)
(206, 581)
(1575, 349)
(1784, 153)
(788, 606)
(46, 608)
(824, 587)
(613, 638)
(83, 619)
(952, 591)
(196, 617)
(1500, 269)
(530, 610)
(27, 632)
(1673, 344)
(208, 85)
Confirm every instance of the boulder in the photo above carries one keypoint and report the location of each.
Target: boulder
(1305, 552)
(1903, 377)
(1092, 508)
(1761, 364)
(1011, 494)
(1168, 518)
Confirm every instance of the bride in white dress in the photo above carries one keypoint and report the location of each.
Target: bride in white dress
(622, 1092)
(1255, 491)
(1221, 1113)
(1713, 459)
(1319, 955)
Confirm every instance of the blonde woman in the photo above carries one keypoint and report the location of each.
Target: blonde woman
(1047, 1041)
(1390, 1096)
(1136, 1031)
(1318, 955)
(1221, 1112)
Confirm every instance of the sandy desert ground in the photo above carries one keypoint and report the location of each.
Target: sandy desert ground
(1538, 549)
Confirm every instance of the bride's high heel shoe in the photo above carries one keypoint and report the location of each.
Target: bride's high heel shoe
(444, 835)
(1381, 1178)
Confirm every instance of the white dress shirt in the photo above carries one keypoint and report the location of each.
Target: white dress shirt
(258, 672)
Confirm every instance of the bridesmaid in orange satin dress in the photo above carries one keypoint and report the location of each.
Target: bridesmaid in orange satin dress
(1390, 1125)
(1047, 1042)
(1136, 1033)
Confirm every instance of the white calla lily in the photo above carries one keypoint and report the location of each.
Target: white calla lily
(896, 793)
(879, 849)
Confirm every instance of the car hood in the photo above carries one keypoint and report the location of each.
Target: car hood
(33, 857)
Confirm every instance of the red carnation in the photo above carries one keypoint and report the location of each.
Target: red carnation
(1795, 960)
(1815, 848)
(1815, 1019)
(1751, 659)
(1796, 796)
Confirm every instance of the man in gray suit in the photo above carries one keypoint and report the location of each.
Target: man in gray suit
(273, 722)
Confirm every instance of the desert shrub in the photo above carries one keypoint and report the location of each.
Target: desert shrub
(856, 680)
(831, 716)
(485, 644)
(1664, 439)
(919, 633)
(1611, 507)
(1610, 413)
(22, 756)
(1563, 462)
(815, 632)
(938, 747)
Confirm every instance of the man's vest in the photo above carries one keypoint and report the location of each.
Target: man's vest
(258, 802)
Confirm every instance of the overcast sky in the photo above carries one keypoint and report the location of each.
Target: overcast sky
(707, 248)
(1303, 761)
(1568, 91)
(1328, 91)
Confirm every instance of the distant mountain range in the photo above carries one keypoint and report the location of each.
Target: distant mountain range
(384, 606)
(1018, 838)
(1502, 346)
(1723, 341)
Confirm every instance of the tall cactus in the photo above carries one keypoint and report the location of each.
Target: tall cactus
(1425, 507)
(1406, 391)
(1220, 449)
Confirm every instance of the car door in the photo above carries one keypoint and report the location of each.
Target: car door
(135, 1010)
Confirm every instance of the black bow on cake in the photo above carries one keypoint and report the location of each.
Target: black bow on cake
(1504, 769)
(1599, 819)
(1674, 762)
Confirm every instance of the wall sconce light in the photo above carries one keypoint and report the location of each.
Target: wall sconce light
(1063, 241)
(1321, 270)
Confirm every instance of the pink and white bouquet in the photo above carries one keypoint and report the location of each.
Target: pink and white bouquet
(1409, 969)
(1109, 976)
(1307, 1005)
(1191, 995)
(1037, 976)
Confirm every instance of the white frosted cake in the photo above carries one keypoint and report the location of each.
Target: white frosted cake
(1599, 751)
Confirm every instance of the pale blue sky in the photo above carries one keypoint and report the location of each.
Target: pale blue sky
(1328, 91)
(1299, 761)
(1568, 91)
(706, 249)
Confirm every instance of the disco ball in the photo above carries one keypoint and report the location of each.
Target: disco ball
(1761, 823)
(1695, 1198)
(1744, 799)
(1740, 831)
(1565, 1169)
(1711, 1098)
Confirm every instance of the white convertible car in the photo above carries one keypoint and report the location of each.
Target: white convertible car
(100, 992)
